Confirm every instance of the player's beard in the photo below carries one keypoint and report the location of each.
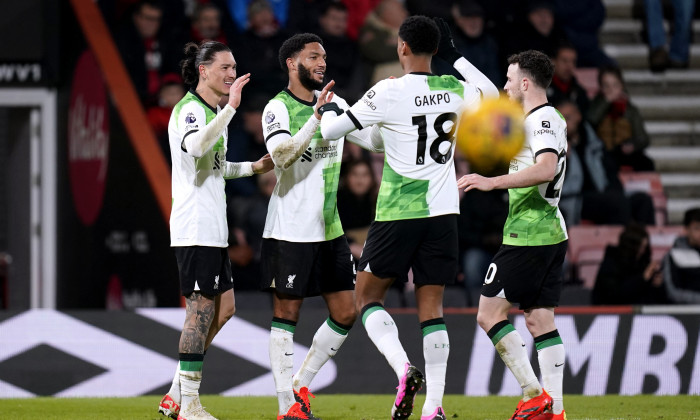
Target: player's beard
(307, 80)
(516, 97)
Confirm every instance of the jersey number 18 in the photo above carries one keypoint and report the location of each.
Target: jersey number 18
(422, 124)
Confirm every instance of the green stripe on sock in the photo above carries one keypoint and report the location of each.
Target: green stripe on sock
(507, 329)
(370, 311)
(189, 366)
(335, 327)
(432, 328)
(283, 326)
(548, 343)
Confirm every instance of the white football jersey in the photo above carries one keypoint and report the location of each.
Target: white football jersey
(303, 205)
(198, 215)
(416, 115)
(533, 216)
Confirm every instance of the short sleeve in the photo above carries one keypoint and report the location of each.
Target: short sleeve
(191, 118)
(542, 135)
(275, 119)
(372, 107)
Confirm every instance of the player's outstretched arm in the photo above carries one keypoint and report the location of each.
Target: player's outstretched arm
(542, 171)
(198, 143)
(369, 138)
(243, 169)
(285, 149)
(448, 52)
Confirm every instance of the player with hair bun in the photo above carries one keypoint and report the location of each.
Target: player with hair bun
(198, 227)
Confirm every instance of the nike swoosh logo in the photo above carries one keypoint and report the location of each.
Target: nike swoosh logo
(289, 354)
(334, 349)
(557, 365)
(523, 345)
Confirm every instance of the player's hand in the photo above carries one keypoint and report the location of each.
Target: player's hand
(234, 93)
(446, 47)
(324, 97)
(475, 181)
(264, 164)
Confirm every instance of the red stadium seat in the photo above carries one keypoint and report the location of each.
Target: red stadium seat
(650, 183)
(587, 247)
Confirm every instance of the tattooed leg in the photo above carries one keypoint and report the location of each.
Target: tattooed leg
(198, 319)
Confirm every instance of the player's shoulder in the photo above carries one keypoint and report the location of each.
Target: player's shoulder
(544, 116)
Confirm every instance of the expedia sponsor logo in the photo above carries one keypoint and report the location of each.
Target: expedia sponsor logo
(371, 94)
(369, 103)
(545, 124)
(543, 131)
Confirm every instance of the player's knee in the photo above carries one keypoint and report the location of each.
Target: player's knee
(230, 311)
(484, 320)
(347, 317)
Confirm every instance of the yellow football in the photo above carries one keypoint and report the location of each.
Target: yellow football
(491, 134)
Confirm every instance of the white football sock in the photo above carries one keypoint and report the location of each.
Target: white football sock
(327, 340)
(175, 386)
(436, 349)
(382, 330)
(282, 363)
(190, 380)
(551, 356)
(511, 348)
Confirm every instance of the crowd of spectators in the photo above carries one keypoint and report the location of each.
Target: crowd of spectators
(606, 133)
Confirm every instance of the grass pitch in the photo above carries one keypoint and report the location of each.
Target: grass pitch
(350, 407)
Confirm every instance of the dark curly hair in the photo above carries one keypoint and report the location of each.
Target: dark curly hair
(536, 65)
(199, 54)
(421, 34)
(293, 46)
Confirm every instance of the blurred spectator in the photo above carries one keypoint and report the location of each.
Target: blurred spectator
(627, 274)
(171, 91)
(682, 264)
(241, 9)
(470, 39)
(581, 21)
(677, 57)
(379, 39)
(357, 200)
(538, 31)
(247, 222)
(304, 15)
(592, 190)
(481, 218)
(358, 11)
(564, 85)
(342, 63)
(144, 56)
(432, 8)
(206, 24)
(258, 49)
(618, 122)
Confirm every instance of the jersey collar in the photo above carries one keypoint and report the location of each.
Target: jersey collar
(192, 91)
(422, 73)
(307, 103)
(536, 108)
